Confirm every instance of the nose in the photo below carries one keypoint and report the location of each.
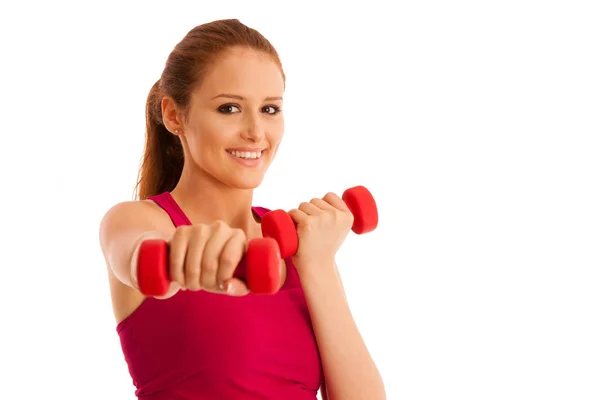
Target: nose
(253, 129)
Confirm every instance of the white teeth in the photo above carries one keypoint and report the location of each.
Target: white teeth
(246, 154)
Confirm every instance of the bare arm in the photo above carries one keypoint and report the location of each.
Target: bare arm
(122, 229)
(349, 370)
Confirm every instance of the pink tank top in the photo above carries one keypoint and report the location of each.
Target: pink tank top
(200, 345)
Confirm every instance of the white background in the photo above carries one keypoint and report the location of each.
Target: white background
(474, 123)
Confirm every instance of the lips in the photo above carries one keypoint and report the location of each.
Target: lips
(247, 153)
(252, 155)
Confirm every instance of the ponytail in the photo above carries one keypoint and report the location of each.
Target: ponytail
(162, 161)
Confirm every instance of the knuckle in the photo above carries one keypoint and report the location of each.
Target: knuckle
(198, 229)
(348, 218)
(219, 225)
(175, 266)
(193, 272)
(208, 281)
(180, 233)
(210, 265)
(330, 195)
(332, 216)
(228, 258)
(198, 235)
(176, 258)
(192, 283)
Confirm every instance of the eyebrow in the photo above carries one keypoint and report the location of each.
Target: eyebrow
(235, 96)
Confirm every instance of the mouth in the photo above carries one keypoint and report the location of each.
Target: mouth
(247, 154)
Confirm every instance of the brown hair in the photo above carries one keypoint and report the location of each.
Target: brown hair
(162, 162)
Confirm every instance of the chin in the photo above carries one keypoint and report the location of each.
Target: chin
(248, 182)
(243, 179)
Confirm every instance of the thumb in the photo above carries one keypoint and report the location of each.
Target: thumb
(236, 287)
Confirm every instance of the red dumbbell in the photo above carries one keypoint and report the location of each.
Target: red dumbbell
(263, 274)
(277, 224)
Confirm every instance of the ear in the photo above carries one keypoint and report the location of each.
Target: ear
(172, 117)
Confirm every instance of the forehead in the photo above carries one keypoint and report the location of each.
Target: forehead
(244, 72)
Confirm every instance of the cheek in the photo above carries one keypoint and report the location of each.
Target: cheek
(276, 131)
(211, 136)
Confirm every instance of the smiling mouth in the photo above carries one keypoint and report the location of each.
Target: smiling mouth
(246, 155)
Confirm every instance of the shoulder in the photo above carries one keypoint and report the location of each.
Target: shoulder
(133, 208)
(134, 213)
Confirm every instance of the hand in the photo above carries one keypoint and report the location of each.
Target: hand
(205, 257)
(322, 226)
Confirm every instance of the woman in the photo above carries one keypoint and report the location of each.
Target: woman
(214, 124)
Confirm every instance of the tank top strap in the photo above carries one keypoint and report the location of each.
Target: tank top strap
(167, 203)
(260, 211)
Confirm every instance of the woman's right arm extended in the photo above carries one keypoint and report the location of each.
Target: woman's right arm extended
(123, 228)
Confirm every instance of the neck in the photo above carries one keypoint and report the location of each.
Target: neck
(205, 200)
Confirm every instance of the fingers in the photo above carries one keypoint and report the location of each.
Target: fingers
(299, 217)
(336, 201)
(177, 254)
(323, 205)
(212, 254)
(310, 208)
(330, 202)
(231, 254)
(204, 257)
(193, 260)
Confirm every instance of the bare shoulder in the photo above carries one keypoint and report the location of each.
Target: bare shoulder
(135, 214)
(145, 209)
(124, 225)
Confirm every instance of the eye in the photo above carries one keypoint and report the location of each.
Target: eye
(228, 109)
(272, 110)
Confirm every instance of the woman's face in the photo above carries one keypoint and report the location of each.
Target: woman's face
(235, 123)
